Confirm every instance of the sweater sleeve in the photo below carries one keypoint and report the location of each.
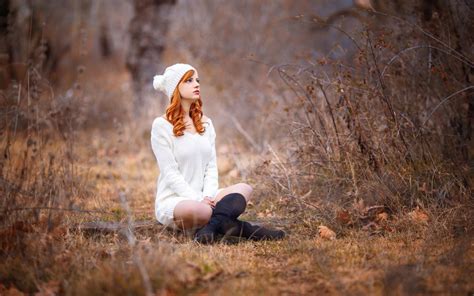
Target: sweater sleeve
(171, 176)
(211, 182)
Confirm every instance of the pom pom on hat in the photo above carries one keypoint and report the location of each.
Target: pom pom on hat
(168, 82)
(159, 83)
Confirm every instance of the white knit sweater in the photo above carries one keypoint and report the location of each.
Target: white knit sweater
(187, 164)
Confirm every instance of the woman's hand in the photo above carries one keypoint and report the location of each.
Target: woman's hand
(207, 200)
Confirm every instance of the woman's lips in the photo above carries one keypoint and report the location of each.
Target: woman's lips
(196, 92)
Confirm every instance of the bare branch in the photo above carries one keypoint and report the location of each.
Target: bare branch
(244, 133)
(423, 46)
(445, 100)
(461, 56)
(6, 210)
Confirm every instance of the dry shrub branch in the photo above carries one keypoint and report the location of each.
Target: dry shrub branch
(387, 133)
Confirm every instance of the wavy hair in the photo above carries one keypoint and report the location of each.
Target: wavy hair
(175, 111)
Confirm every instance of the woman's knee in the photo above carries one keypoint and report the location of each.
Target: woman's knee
(194, 211)
(245, 189)
(203, 213)
(242, 188)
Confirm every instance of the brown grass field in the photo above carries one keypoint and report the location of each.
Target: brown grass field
(418, 252)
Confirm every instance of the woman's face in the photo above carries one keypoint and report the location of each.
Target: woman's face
(189, 89)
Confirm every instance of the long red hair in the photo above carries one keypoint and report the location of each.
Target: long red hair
(175, 112)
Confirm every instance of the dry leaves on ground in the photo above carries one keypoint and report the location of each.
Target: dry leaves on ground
(326, 233)
(381, 217)
(344, 217)
(12, 291)
(419, 216)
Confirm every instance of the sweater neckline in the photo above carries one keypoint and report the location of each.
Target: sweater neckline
(186, 132)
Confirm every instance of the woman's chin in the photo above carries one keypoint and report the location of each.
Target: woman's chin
(194, 98)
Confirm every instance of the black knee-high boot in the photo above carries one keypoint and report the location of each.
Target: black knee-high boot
(224, 221)
(230, 206)
(235, 227)
(254, 232)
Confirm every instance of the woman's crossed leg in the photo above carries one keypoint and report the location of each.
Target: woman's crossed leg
(190, 214)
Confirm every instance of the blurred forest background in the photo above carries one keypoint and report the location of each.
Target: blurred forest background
(352, 120)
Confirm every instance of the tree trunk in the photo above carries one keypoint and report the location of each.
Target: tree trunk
(4, 55)
(147, 36)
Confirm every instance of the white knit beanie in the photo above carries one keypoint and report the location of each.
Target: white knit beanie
(168, 82)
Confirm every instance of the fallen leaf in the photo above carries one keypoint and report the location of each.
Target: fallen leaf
(101, 152)
(50, 288)
(193, 265)
(371, 226)
(13, 292)
(343, 217)
(326, 233)
(268, 213)
(419, 216)
(388, 228)
(381, 217)
(146, 241)
(211, 275)
(359, 206)
(364, 4)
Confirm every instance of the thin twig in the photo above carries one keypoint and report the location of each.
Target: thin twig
(381, 82)
(301, 200)
(320, 20)
(330, 113)
(418, 47)
(132, 241)
(6, 210)
(445, 100)
(244, 133)
(466, 59)
(282, 167)
(313, 106)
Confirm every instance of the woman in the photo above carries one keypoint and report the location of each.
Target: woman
(183, 141)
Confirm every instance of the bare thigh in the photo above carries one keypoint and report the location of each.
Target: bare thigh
(242, 188)
(191, 214)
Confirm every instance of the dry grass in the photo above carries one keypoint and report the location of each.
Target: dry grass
(406, 258)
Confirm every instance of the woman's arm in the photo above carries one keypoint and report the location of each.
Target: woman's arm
(161, 145)
(211, 182)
